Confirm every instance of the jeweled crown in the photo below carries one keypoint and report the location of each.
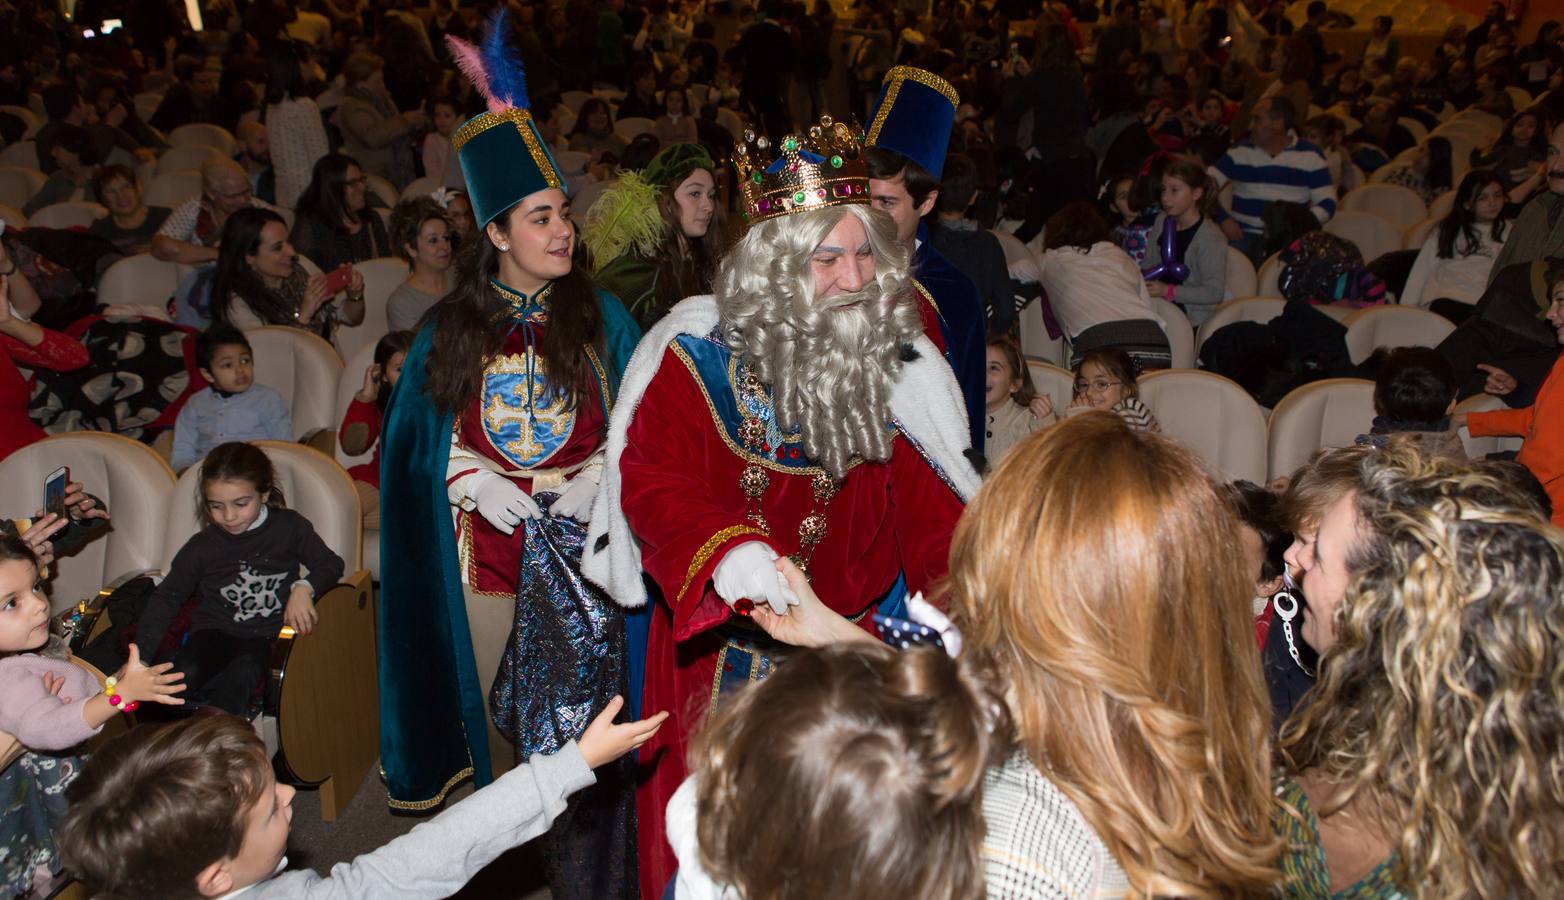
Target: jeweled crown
(821, 167)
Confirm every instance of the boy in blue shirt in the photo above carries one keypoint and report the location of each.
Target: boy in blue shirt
(233, 407)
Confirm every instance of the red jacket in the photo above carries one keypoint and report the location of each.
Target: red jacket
(57, 353)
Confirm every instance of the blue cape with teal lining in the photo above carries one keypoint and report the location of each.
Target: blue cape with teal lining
(433, 717)
(964, 325)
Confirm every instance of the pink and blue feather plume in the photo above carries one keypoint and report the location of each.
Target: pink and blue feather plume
(494, 67)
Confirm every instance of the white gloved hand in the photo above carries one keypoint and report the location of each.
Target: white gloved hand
(575, 501)
(502, 501)
(749, 570)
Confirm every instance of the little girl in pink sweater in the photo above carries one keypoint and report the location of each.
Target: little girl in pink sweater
(49, 705)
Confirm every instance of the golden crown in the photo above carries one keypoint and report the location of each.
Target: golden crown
(818, 168)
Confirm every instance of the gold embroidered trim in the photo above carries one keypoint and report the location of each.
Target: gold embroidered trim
(927, 295)
(703, 555)
(602, 377)
(722, 430)
(517, 300)
(431, 803)
(716, 679)
(893, 82)
(521, 118)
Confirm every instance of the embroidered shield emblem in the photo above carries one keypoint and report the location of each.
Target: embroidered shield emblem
(524, 418)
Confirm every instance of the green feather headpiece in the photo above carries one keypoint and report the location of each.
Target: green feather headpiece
(625, 218)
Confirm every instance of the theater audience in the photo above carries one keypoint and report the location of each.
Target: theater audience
(1428, 173)
(1271, 168)
(422, 236)
(191, 233)
(293, 122)
(255, 156)
(1188, 197)
(75, 164)
(260, 280)
(1095, 290)
(1539, 229)
(25, 345)
(374, 131)
(232, 407)
(1452, 266)
(1414, 395)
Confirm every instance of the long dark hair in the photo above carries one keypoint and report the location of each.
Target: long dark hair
(326, 194)
(1439, 177)
(235, 275)
(466, 335)
(1462, 220)
(585, 113)
(1537, 147)
(684, 265)
(285, 76)
(387, 347)
(238, 461)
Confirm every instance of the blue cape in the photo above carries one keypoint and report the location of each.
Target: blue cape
(964, 325)
(433, 717)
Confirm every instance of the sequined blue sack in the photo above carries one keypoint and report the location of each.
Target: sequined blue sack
(566, 655)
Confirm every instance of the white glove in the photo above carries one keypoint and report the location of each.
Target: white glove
(749, 570)
(575, 501)
(502, 501)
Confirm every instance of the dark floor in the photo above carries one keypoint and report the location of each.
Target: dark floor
(368, 823)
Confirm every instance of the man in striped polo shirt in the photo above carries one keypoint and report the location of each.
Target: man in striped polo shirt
(1272, 166)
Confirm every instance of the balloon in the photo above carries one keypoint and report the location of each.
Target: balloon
(1171, 269)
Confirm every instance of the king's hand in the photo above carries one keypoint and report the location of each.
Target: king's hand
(748, 572)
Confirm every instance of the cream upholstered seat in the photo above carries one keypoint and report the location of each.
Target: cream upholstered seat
(1270, 276)
(69, 214)
(572, 162)
(1242, 309)
(1056, 382)
(383, 190)
(129, 477)
(631, 127)
(21, 153)
(381, 277)
(1242, 280)
(1416, 234)
(1478, 447)
(18, 184)
(1441, 205)
(423, 187)
(201, 134)
(1181, 336)
(139, 279)
(349, 384)
(12, 217)
(172, 189)
(1398, 205)
(1373, 235)
(186, 159)
(1328, 413)
(327, 713)
(1213, 416)
(1393, 326)
(31, 121)
(302, 368)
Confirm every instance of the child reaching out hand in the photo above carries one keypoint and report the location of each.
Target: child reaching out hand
(49, 705)
(193, 810)
(245, 568)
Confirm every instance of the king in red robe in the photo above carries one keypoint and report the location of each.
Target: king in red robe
(822, 426)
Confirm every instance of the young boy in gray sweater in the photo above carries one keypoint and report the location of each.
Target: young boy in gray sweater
(193, 810)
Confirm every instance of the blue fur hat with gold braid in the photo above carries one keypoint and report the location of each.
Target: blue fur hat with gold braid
(504, 157)
(913, 117)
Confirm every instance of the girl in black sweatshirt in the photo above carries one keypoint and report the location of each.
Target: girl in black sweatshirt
(245, 570)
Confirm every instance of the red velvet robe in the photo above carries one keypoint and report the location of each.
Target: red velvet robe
(491, 560)
(680, 492)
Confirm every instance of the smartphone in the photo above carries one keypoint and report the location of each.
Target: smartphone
(54, 490)
(338, 279)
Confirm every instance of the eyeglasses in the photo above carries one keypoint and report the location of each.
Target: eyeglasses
(360, 181)
(1097, 384)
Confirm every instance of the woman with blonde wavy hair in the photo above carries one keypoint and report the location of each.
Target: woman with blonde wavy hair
(1100, 587)
(1427, 760)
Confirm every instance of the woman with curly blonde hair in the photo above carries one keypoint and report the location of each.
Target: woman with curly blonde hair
(1100, 587)
(1427, 760)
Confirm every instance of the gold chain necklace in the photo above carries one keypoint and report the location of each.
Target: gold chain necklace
(755, 479)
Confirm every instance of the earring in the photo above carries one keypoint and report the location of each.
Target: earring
(1287, 613)
(505, 248)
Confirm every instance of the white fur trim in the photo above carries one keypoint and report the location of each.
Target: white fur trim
(925, 400)
(691, 881)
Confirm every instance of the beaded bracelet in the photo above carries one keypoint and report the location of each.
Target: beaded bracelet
(115, 700)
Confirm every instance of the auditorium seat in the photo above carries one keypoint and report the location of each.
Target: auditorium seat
(202, 134)
(70, 214)
(1395, 204)
(631, 127)
(18, 184)
(1269, 276)
(1212, 415)
(1058, 383)
(1441, 205)
(422, 187)
(12, 217)
(1414, 236)
(186, 159)
(1241, 309)
(1181, 336)
(1327, 413)
(21, 153)
(1393, 326)
(1373, 235)
(574, 100)
(172, 189)
(304, 369)
(31, 121)
(381, 277)
(382, 190)
(1479, 447)
(129, 477)
(572, 162)
(139, 280)
(1242, 280)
